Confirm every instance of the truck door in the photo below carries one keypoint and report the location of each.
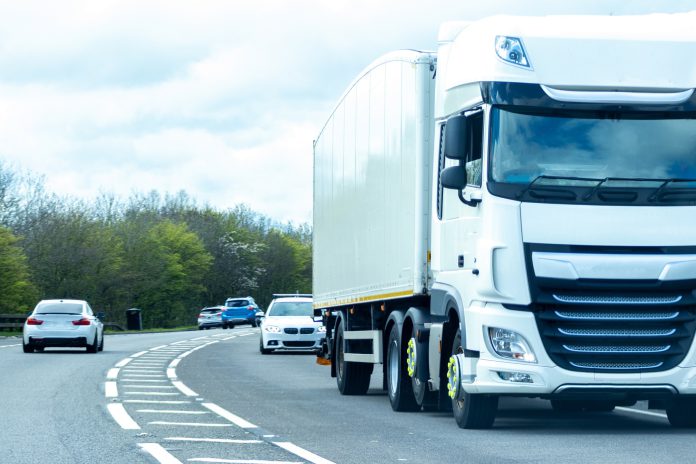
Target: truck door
(458, 211)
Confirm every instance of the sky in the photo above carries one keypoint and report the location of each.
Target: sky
(221, 99)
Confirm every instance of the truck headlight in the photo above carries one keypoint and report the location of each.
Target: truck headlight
(510, 345)
(271, 329)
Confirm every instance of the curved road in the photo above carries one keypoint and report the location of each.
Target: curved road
(212, 397)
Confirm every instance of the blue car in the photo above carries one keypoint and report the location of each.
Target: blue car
(239, 311)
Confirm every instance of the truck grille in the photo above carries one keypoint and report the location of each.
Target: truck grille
(616, 338)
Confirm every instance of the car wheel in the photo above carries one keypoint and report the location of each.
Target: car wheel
(253, 323)
(94, 347)
(263, 350)
(27, 347)
(101, 345)
(224, 326)
(200, 327)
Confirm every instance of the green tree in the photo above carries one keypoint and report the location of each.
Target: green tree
(17, 291)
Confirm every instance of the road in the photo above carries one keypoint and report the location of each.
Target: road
(212, 397)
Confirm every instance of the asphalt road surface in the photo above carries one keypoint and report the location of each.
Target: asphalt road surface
(210, 396)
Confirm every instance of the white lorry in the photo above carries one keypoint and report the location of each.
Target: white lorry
(515, 215)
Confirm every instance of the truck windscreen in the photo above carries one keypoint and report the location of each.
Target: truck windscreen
(593, 156)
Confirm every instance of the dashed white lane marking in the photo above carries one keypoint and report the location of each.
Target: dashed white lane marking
(301, 452)
(142, 380)
(156, 451)
(157, 401)
(190, 424)
(118, 412)
(113, 373)
(238, 421)
(9, 346)
(640, 411)
(215, 440)
(151, 393)
(143, 375)
(167, 387)
(241, 461)
(171, 411)
(183, 388)
(110, 390)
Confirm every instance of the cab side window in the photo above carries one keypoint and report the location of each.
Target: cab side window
(473, 163)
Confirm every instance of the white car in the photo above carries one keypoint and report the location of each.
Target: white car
(210, 317)
(289, 324)
(63, 323)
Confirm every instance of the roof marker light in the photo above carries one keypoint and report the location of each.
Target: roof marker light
(511, 50)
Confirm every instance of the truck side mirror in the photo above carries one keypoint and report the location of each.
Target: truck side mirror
(453, 177)
(457, 138)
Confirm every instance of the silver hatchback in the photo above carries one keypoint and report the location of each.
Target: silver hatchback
(63, 323)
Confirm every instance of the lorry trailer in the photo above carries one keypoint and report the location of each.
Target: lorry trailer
(515, 215)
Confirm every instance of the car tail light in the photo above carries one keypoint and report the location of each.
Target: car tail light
(33, 321)
(83, 321)
(250, 308)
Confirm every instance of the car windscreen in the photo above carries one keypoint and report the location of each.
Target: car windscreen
(59, 308)
(236, 303)
(211, 310)
(291, 308)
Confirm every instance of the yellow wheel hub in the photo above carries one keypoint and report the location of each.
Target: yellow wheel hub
(411, 357)
(452, 378)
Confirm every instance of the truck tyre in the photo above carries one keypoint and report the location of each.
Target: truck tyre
(424, 397)
(399, 385)
(682, 413)
(352, 378)
(472, 411)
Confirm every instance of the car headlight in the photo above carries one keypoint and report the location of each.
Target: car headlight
(510, 345)
(271, 329)
(321, 329)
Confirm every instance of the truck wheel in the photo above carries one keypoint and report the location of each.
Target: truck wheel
(399, 385)
(352, 378)
(682, 413)
(471, 411)
(424, 397)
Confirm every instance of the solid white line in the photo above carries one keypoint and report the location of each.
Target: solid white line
(241, 461)
(118, 412)
(215, 440)
(157, 401)
(123, 362)
(238, 421)
(152, 393)
(183, 388)
(113, 373)
(171, 411)
(147, 362)
(110, 390)
(229, 338)
(189, 424)
(156, 451)
(244, 335)
(143, 375)
(198, 338)
(640, 411)
(301, 452)
(175, 362)
(171, 373)
(138, 354)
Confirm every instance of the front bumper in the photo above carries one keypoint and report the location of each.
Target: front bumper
(544, 377)
(300, 342)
